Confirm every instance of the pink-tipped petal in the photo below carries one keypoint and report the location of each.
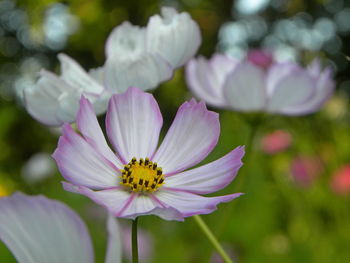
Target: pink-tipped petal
(133, 123)
(210, 177)
(189, 204)
(244, 88)
(39, 230)
(91, 130)
(114, 248)
(292, 90)
(191, 137)
(206, 78)
(81, 164)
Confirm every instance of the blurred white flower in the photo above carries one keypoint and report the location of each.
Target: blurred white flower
(38, 167)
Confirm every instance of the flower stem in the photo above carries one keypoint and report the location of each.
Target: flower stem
(135, 253)
(204, 227)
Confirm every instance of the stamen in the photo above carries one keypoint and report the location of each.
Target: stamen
(142, 175)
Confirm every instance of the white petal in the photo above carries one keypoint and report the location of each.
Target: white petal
(245, 88)
(125, 42)
(133, 123)
(91, 130)
(206, 78)
(210, 177)
(176, 37)
(295, 88)
(145, 71)
(75, 76)
(277, 72)
(191, 137)
(114, 249)
(82, 164)
(40, 230)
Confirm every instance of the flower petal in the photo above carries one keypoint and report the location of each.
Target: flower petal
(133, 123)
(191, 137)
(40, 230)
(91, 130)
(42, 101)
(144, 71)
(176, 37)
(324, 89)
(80, 163)
(210, 177)
(295, 88)
(114, 249)
(75, 76)
(189, 204)
(206, 78)
(125, 42)
(244, 88)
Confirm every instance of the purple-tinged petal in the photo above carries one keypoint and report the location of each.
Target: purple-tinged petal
(295, 88)
(40, 230)
(189, 204)
(210, 177)
(244, 88)
(191, 137)
(133, 123)
(176, 37)
(114, 248)
(91, 130)
(80, 163)
(206, 78)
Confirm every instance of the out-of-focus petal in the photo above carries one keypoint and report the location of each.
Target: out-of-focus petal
(133, 123)
(294, 89)
(324, 89)
(206, 78)
(91, 130)
(40, 230)
(82, 164)
(145, 71)
(189, 204)
(244, 88)
(176, 37)
(42, 101)
(210, 177)
(75, 76)
(125, 42)
(191, 137)
(114, 249)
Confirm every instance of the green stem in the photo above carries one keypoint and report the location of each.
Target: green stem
(203, 226)
(135, 253)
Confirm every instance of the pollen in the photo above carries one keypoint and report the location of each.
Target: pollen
(142, 175)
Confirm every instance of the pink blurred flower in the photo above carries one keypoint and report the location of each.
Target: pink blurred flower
(276, 141)
(341, 180)
(139, 179)
(305, 170)
(260, 84)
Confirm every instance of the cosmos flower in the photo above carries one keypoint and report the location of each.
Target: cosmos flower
(259, 84)
(305, 170)
(139, 179)
(40, 230)
(55, 99)
(143, 57)
(135, 56)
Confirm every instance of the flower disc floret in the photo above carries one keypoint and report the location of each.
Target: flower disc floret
(142, 175)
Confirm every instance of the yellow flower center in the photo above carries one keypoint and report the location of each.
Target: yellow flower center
(142, 175)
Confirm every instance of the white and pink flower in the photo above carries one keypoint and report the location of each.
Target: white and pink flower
(258, 83)
(139, 179)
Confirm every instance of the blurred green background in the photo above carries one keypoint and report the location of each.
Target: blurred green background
(293, 210)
